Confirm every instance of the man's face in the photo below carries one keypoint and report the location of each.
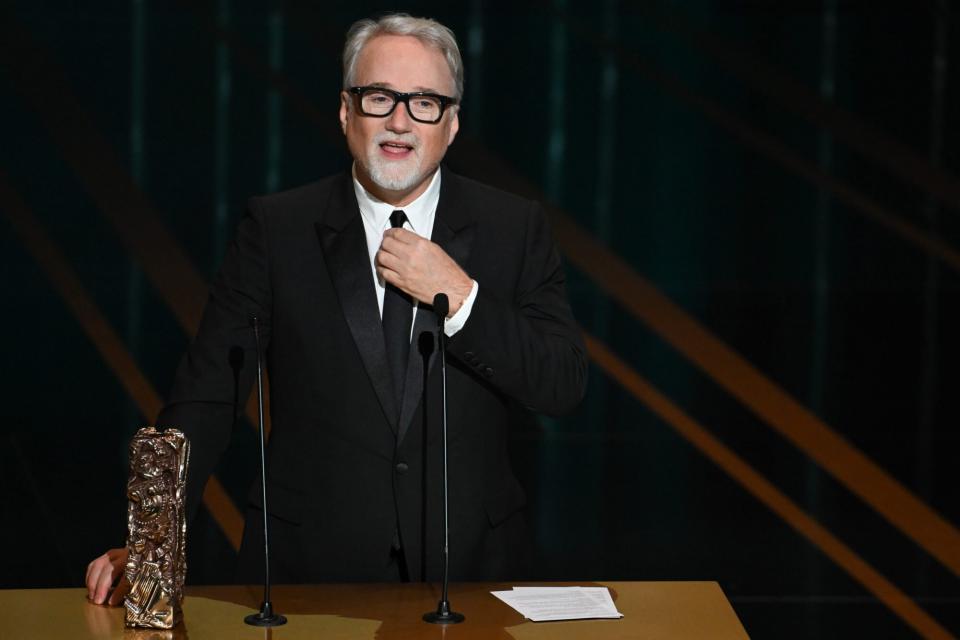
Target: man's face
(396, 156)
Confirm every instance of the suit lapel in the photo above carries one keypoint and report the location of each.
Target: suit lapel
(344, 247)
(453, 230)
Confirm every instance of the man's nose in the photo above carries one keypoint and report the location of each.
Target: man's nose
(400, 120)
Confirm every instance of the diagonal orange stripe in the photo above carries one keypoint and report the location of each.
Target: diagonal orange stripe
(765, 492)
(768, 401)
(105, 339)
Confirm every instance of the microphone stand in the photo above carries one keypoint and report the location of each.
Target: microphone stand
(266, 617)
(443, 614)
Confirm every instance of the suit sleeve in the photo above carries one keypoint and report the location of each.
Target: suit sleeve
(215, 376)
(528, 346)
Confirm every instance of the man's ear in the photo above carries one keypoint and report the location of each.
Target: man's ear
(454, 126)
(344, 110)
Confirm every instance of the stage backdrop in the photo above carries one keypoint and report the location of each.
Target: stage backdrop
(758, 208)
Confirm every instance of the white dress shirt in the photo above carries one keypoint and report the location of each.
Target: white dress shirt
(420, 215)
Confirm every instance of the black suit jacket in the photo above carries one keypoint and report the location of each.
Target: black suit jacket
(347, 468)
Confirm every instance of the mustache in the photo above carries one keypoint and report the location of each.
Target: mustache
(409, 139)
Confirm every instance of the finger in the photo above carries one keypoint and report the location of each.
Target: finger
(387, 260)
(104, 580)
(95, 579)
(394, 247)
(123, 588)
(401, 235)
(93, 573)
(390, 276)
(86, 579)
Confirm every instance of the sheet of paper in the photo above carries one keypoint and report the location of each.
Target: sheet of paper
(542, 604)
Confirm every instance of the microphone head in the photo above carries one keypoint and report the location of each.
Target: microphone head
(441, 305)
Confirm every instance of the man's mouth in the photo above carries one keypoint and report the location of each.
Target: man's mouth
(396, 148)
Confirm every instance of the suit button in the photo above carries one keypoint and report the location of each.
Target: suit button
(488, 372)
(402, 468)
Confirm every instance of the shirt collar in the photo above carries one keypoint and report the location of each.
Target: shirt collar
(420, 212)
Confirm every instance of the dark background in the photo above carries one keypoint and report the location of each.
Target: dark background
(784, 173)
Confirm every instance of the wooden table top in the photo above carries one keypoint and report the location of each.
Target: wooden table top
(378, 611)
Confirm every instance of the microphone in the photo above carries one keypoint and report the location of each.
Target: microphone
(266, 617)
(441, 307)
(443, 614)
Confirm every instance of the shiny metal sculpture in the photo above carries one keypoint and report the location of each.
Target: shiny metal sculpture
(156, 528)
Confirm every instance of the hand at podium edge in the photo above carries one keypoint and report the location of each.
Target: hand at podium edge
(101, 575)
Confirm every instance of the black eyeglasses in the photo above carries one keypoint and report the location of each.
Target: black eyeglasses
(378, 102)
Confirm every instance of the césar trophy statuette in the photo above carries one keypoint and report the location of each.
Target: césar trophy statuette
(156, 528)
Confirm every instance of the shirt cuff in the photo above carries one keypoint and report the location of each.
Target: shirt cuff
(455, 323)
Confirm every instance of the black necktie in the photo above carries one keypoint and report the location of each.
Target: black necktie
(397, 317)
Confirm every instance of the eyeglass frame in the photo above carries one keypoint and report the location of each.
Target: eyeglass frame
(398, 97)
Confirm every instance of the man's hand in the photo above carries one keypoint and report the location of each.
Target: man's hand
(102, 573)
(421, 268)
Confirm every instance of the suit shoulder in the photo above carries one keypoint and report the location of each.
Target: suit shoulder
(482, 192)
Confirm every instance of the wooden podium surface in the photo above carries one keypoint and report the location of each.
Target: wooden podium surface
(382, 612)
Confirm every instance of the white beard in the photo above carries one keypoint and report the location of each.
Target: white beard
(394, 175)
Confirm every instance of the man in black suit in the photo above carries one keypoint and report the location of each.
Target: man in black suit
(335, 271)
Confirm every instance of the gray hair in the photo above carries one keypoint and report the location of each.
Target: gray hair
(430, 32)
